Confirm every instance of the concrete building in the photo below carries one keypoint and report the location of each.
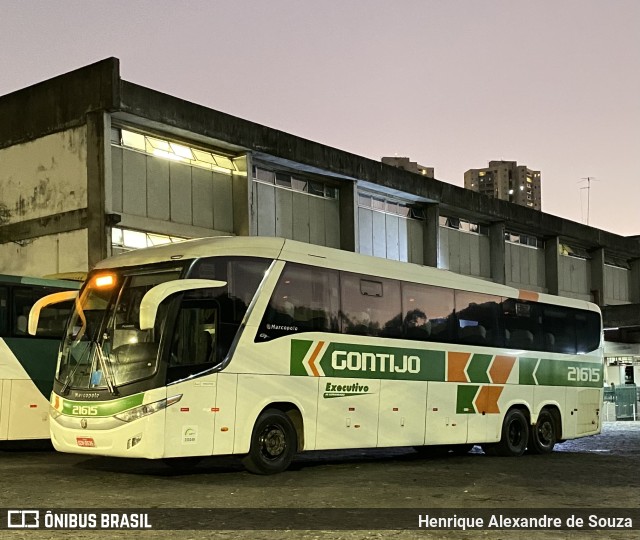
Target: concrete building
(91, 164)
(508, 181)
(406, 164)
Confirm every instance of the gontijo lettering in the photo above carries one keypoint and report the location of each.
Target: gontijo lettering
(356, 361)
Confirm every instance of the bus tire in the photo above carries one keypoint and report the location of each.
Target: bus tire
(515, 436)
(543, 436)
(274, 442)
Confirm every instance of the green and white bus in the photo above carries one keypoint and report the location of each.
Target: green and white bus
(267, 347)
(28, 363)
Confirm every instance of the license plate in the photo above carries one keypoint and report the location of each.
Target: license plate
(86, 442)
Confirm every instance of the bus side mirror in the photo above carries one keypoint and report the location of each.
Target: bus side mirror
(55, 298)
(154, 297)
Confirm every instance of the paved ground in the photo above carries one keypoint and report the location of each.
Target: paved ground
(595, 472)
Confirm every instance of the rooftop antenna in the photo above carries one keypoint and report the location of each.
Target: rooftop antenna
(587, 179)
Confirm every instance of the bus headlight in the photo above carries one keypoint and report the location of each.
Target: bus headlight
(146, 410)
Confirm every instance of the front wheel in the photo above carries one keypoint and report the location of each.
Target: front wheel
(543, 435)
(515, 436)
(273, 443)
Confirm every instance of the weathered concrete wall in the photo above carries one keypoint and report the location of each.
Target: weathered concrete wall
(575, 278)
(465, 253)
(390, 236)
(524, 267)
(295, 215)
(616, 285)
(156, 188)
(53, 254)
(44, 177)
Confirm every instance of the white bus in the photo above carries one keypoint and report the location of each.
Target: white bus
(28, 363)
(268, 347)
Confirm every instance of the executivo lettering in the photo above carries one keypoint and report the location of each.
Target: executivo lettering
(333, 390)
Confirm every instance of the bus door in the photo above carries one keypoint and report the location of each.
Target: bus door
(446, 422)
(193, 354)
(402, 413)
(347, 413)
(4, 410)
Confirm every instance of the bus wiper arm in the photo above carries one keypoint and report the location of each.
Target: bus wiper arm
(106, 369)
(71, 374)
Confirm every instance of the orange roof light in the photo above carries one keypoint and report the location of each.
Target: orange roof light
(106, 280)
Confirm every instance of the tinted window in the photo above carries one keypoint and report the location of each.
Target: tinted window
(4, 310)
(243, 276)
(52, 320)
(304, 300)
(371, 306)
(558, 327)
(478, 319)
(428, 312)
(589, 330)
(523, 328)
(194, 338)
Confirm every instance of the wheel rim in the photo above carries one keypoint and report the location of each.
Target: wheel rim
(545, 433)
(273, 442)
(516, 433)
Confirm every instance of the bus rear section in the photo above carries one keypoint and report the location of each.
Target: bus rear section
(27, 363)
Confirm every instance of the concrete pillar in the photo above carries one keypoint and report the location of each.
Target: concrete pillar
(244, 223)
(98, 166)
(552, 264)
(634, 281)
(497, 252)
(348, 199)
(597, 276)
(431, 235)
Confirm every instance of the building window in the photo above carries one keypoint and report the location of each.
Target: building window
(173, 151)
(463, 225)
(127, 240)
(390, 206)
(523, 239)
(287, 181)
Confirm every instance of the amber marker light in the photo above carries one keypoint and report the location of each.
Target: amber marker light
(106, 280)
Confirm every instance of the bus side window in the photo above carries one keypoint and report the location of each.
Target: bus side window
(4, 311)
(558, 325)
(589, 330)
(194, 346)
(478, 318)
(304, 300)
(428, 312)
(523, 329)
(371, 306)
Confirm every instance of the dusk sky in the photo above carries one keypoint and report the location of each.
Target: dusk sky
(452, 84)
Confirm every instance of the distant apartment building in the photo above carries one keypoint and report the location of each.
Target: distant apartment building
(508, 181)
(406, 164)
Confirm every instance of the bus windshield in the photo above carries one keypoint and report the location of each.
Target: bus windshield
(104, 346)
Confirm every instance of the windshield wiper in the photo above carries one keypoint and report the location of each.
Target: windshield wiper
(67, 382)
(93, 345)
(106, 369)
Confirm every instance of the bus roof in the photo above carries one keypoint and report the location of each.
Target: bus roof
(44, 282)
(301, 252)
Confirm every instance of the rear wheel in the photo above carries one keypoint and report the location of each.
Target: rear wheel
(543, 435)
(273, 443)
(515, 436)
